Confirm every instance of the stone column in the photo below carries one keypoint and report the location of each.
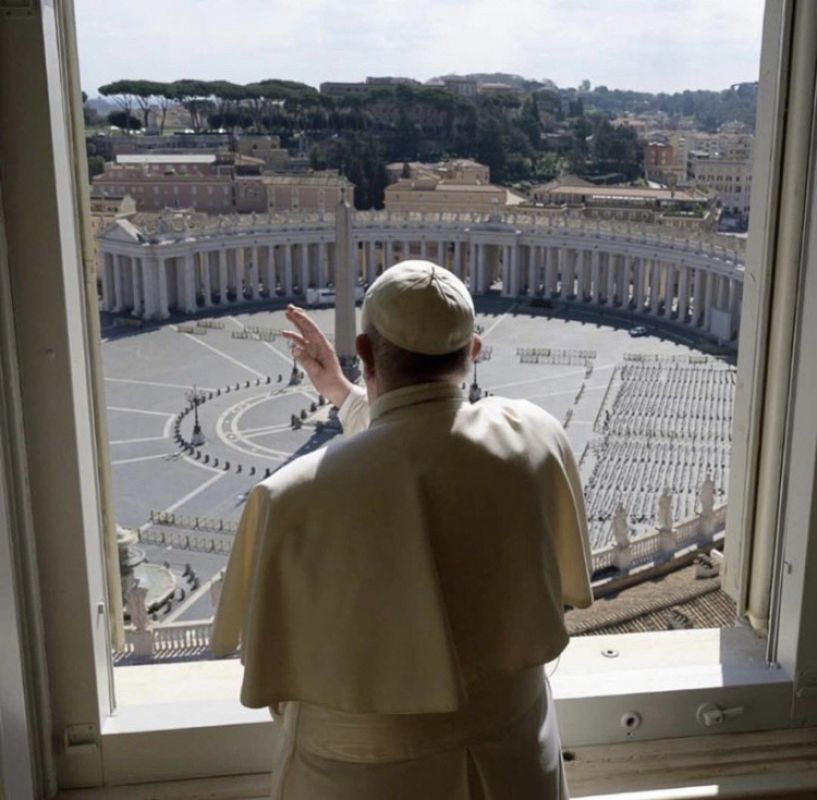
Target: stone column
(723, 292)
(222, 277)
(269, 273)
(698, 297)
(683, 292)
(137, 285)
(481, 269)
(188, 300)
(655, 281)
(371, 262)
(405, 250)
(255, 280)
(506, 271)
(118, 288)
(571, 257)
(472, 267)
(610, 279)
(323, 256)
(388, 258)
(641, 277)
(550, 271)
(288, 270)
(735, 294)
(561, 267)
(147, 269)
(457, 265)
(533, 270)
(423, 249)
(108, 301)
(239, 266)
(669, 290)
(304, 281)
(595, 277)
(709, 299)
(206, 281)
(161, 278)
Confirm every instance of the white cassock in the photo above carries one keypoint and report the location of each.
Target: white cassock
(396, 594)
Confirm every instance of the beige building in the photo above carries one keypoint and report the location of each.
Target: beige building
(265, 148)
(214, 183)
(457, 185)
(343, 88)
(463, 87)
(678, 207)
(434, 195)
(663, 163)
(320, 191)
(729, 179)
(201, 181)
(104, 210)
(456, 170)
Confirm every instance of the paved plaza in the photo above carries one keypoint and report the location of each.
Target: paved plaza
(248, 408)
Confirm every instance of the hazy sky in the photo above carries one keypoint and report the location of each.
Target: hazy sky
(650, 45)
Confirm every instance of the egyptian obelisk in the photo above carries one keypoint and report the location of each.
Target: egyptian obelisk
(345, 282)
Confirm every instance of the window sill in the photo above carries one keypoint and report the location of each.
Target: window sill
(646, 668)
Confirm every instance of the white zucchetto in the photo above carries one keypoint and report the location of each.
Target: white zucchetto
(420, 307)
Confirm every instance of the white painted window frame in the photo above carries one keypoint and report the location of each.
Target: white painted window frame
(774, 679)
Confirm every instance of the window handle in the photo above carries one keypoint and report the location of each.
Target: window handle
(710, 714)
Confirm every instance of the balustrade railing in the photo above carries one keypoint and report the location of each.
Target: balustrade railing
(714, 245)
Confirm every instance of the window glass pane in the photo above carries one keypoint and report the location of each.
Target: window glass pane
(597, 207)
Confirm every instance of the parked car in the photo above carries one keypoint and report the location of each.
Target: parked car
(639, 330)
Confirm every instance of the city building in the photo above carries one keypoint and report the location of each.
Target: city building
(109, 146)
(201, 181)
(436, 195)
(266, 148)
(215, 183)
(491, 88)
(663, 163)
(457, 185)
(317, 191)
(457, 170)
(730, 179)
(388, 80)
(343, 89)
(680, 207)
(462, 87)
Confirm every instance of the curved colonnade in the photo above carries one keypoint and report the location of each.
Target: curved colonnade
(187, 263)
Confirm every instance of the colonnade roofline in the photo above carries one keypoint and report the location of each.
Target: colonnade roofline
(172, 226)
(186, 262)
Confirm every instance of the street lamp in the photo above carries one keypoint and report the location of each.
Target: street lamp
(476, 393)
(196, 398)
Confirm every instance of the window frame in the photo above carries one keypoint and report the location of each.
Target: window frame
(97, 744)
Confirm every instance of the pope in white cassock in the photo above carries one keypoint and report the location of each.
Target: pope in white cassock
(396, 594)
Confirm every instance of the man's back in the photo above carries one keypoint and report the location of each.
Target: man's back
(432, 549)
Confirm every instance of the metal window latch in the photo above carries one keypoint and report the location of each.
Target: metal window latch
(80, 740)
(710, 714)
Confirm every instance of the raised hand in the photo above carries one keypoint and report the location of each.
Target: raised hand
(315, 353)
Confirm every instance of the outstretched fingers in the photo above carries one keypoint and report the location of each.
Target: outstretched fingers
(305, 324)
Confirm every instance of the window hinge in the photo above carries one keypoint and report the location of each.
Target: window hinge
(18, 8)
(81, 740)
